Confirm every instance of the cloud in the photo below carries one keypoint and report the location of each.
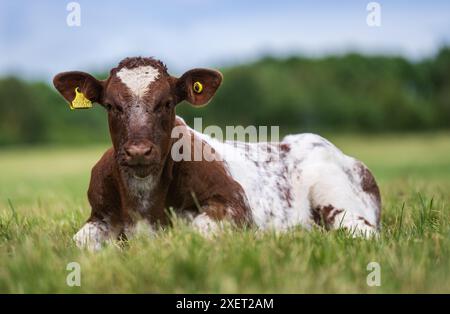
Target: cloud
(37, 42)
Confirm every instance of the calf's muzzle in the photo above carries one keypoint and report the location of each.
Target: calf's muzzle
(141, 154)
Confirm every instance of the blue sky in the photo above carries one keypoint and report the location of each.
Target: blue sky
(35, 41)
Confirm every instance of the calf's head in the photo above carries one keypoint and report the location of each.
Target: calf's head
(140, 97)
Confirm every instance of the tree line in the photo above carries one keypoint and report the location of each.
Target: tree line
(348, 93)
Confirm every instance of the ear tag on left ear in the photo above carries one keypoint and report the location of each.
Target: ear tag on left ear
(80, 101)
(198, 87)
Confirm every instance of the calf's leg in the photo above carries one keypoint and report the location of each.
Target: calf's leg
(205, 225)
(214, 212)
(93, 234)
(338, 200)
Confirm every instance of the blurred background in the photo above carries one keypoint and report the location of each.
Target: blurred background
(303, 65)
(380, 93)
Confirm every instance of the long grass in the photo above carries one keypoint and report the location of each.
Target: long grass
(43, 203)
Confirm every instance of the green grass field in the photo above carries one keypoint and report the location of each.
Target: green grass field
(43, 203)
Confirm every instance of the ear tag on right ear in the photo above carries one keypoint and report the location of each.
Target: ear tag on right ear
(198, 87)
(80, 101)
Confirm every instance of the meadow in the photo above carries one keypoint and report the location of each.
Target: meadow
(43, 203)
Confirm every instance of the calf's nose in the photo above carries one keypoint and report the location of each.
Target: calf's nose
(139, 153)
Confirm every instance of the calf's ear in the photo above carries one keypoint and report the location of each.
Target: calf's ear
(198, 86)
(67, 82)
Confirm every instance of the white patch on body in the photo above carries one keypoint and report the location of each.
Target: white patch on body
(205, 225)
(138, 79)
(281, 190)
(92, 235)
(328, 177)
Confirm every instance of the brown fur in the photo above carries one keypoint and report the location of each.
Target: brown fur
(131, 63)
(369, 185)
(325, 215)
(182, 185)
(192, 186)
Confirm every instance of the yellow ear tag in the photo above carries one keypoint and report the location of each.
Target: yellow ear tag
(198, 87)
(80, 101)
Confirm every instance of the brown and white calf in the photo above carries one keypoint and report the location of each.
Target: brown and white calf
(311, 181)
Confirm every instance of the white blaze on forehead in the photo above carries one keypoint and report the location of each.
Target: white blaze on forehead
(138, 79)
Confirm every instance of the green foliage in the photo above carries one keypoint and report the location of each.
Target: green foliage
(345, 93)
(33, 113)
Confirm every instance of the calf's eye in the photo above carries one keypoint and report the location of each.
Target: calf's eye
(163, 105)
(116, 109)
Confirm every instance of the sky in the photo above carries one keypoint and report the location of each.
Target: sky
(37, 43)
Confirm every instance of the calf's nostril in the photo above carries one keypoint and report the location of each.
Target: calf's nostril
(128, 152)
(132, 151)
(138, 152)
(147, 151)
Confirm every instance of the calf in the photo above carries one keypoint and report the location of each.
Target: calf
(311, 181)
